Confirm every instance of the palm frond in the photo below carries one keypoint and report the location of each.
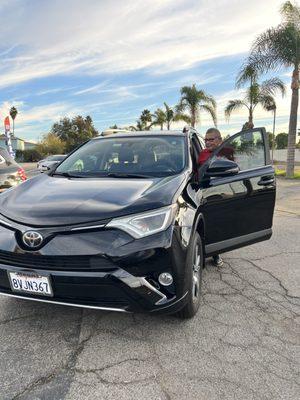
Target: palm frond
(211, 111)
(207, 98)
(248, 73)
(290, 13)
(271, 86)
(267, 102)
(275, 48)
(233, 105)
(182, 117)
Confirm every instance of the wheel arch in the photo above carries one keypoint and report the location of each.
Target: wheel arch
(199, 226)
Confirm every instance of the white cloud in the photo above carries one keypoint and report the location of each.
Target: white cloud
(31, 122)
(120, 36)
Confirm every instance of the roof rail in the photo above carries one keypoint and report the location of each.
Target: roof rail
(189, 129)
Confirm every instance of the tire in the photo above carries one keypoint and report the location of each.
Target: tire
(194, 268)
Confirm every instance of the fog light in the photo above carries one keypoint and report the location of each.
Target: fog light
(165, 279)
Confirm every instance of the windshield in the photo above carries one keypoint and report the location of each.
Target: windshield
(145, 156)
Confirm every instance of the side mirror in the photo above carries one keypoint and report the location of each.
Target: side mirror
(220, 167)
(52, 167)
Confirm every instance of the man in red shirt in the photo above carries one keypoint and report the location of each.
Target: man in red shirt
(213, 139)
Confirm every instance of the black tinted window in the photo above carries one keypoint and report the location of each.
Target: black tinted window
(246, 149)
(153, 156)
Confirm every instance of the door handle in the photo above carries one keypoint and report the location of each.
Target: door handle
(264, 182)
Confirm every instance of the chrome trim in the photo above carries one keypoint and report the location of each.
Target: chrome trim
(87, 227)
(65, 304)
(137, 281)
(5, 223)
(148, 285)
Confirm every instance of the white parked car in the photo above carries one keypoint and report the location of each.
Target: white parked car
(48, 162)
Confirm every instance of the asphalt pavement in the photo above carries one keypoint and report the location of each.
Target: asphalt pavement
(243, 344)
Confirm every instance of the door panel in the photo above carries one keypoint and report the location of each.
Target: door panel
(238, 209)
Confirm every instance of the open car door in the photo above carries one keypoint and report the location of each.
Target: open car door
(238, 188)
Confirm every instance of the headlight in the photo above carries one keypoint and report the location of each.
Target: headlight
(145, 224)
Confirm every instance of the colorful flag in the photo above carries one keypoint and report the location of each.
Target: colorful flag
(8, 138)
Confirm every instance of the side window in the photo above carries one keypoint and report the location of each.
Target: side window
(195, 151)
(246, 149)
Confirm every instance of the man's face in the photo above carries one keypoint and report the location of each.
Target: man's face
(212, 140)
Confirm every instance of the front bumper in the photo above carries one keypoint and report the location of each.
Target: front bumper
(114, 291)
(127, 283)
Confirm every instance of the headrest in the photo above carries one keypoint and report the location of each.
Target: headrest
(126, 154)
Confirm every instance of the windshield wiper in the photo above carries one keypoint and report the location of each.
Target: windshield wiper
(121, 175)
(66, 174)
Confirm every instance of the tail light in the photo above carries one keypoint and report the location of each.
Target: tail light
(21, 174)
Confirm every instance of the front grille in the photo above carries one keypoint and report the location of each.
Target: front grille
(65, 263)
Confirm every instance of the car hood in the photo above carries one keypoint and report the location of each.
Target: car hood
(52, 201)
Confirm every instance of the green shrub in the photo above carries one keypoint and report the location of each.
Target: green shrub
(30, 155)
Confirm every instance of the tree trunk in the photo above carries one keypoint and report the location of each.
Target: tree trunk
(273, 136)
(193, 119)
(13, 127)
(250, 119)
(290, 162)
(168, 125)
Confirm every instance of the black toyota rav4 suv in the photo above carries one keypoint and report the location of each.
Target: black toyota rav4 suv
(125, 222)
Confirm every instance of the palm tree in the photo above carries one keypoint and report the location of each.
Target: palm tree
(170, 115)
(145, 118)
(13, 113)
(138, 127)
(194, 101)
(280, 47)
(142, 122)
(159, 118)
(273, 107)
(256, 94)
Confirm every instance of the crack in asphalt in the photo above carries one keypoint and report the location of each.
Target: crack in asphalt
(287, 212)
(285, 291)
(7, 321)
(263, 347)
(264, 292)
(67, 367)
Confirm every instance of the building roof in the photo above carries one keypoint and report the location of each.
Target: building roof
(12, 138)
(2, 136)
(144, 133)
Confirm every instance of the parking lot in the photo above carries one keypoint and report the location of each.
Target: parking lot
(243, 344)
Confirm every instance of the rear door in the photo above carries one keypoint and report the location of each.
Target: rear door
(238, 209)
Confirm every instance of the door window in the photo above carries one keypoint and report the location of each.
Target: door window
(246, 149)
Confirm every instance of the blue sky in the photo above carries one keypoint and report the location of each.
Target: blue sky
(112, 59)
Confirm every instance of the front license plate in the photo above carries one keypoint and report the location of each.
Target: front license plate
(30, 283)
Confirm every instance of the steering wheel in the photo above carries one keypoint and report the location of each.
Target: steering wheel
(165, 165)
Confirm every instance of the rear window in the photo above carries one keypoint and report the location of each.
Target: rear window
(151, 156)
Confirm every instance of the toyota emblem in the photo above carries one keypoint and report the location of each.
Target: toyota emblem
(32, 239)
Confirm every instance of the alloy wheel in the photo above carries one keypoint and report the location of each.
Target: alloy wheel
(196, 274)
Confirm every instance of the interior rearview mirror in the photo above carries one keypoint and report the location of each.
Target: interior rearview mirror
(222, 167)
